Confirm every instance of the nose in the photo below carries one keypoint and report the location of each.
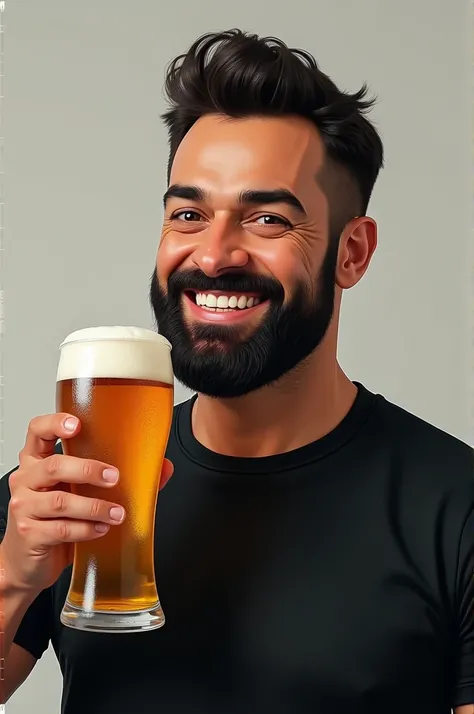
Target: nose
(219, 251)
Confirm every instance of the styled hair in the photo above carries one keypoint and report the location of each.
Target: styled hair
(238, 74)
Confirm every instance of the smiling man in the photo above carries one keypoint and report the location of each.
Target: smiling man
(315, 546)
(245, 286)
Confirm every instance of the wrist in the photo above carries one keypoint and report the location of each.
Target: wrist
(11, 585)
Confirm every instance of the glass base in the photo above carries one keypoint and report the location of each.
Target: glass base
(110, 622)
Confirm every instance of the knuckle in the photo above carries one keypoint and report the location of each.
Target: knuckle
(33, 425)
(63, 530)
(37, 424)
(95, 508)
(87, 469)
(23, 526)
(16, 503)
(58, 501)
(52, 464)
(14, 480)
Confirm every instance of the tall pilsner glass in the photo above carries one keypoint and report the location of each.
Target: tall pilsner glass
(119, 382)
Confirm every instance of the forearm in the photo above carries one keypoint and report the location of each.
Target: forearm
(14, 602)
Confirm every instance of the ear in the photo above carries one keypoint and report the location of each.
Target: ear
(357, 245)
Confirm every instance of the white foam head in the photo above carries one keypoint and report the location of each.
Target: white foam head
(116, 352)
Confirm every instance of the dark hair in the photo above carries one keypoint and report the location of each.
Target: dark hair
(239, 74)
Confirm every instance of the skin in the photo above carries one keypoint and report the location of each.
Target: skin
(225, 157)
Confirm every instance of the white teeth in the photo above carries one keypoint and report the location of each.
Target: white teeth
(223, 302)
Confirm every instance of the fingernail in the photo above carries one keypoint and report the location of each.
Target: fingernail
(102, 527)
(117, 514)
(70, 423)
(110, 475)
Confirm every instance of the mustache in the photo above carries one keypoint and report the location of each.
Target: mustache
(182, 280)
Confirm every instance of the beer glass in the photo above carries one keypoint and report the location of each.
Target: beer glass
(119, 382)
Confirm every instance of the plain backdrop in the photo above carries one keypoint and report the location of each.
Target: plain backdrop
(85, 171)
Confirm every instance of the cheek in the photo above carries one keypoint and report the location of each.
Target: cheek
(172, 253)
(286, 261)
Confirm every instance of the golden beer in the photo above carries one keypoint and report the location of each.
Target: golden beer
(119, 383)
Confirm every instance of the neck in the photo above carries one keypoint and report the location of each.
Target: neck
(303, 407)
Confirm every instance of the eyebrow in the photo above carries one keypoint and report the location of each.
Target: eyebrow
(250, 196)
(187, 193)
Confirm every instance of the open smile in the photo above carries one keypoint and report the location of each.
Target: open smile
(220, 306)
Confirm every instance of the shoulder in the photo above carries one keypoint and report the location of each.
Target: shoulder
(425, 446)
(427, 480)
(428, 473)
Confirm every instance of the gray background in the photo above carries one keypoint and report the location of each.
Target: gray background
(85, 162)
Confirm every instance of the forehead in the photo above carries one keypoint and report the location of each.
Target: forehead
(224, 154)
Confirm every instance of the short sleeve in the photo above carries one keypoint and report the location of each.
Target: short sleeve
(464, 682)
(35, 629)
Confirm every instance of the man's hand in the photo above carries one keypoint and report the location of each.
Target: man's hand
(45, 519)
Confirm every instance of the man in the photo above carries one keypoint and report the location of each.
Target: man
(315, 546)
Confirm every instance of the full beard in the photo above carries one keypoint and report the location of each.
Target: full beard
(216, 360)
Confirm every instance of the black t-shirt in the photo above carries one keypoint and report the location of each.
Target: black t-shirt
(334, 578)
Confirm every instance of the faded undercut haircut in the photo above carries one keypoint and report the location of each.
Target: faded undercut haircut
(238, 74)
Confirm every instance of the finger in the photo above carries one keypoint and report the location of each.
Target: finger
(166, 473)
(59, 504)
(46, 534)
(44, 431)
(70, 470)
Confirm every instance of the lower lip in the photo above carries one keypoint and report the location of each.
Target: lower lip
(229, 317)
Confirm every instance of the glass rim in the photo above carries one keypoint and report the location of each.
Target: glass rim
(153, 338)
